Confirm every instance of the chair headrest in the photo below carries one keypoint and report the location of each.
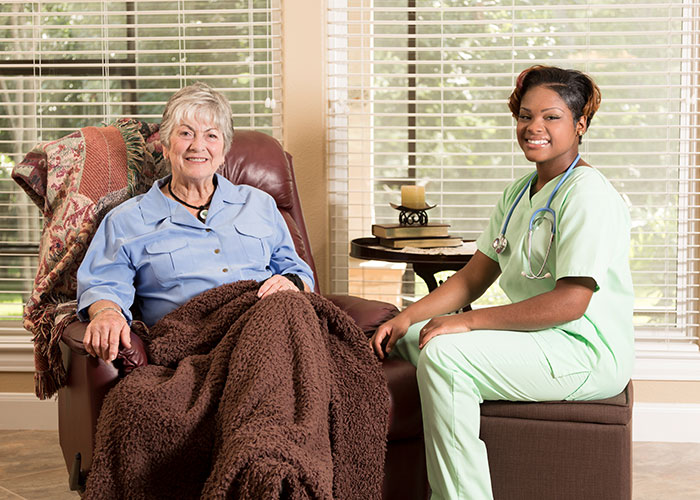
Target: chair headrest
(266, 166)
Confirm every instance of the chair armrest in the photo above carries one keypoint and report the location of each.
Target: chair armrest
(130, 358)
(73, 337)
(368, 314)
(88, 380)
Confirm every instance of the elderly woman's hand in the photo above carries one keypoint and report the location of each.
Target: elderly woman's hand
(276, 283)
(107, 328)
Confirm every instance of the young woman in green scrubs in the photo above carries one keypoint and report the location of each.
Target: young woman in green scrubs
(559, 241)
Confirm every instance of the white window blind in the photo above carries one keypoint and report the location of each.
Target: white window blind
(66, 65)
(418, 93)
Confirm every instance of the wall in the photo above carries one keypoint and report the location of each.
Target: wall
(16, 382)
(304, 119)
(667, 391)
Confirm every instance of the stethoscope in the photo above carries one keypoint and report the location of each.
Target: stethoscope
(500, 243)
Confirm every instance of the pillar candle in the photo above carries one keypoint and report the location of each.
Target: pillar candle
(413, 196)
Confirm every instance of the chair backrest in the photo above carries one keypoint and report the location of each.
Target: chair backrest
(258, 160)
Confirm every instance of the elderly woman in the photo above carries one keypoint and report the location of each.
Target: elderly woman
(192, 231)
(246, 392)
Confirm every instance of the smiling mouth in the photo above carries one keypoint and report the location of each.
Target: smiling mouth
(539, 142)
(197, 160)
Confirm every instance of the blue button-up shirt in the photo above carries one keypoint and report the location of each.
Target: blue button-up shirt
(151, 252)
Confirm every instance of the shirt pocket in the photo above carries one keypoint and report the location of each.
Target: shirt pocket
(168, 259)
(538, 248)
(254, 241)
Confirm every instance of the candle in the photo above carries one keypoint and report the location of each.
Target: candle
(413, 197)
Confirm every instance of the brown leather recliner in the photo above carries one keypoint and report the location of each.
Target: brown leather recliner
(258, 160)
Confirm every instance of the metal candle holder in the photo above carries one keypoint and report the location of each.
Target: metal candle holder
(412, 216)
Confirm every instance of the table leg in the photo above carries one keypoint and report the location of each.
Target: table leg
(427, 273)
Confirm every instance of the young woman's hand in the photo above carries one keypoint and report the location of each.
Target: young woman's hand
(440, 325)
(389, 332)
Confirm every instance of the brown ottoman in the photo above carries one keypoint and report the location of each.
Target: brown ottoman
(578, 450)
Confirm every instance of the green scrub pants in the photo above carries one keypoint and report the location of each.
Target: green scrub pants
(456, 372)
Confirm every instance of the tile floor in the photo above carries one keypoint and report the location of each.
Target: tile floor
(32, 468)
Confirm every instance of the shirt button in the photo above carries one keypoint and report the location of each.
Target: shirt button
(225, 269)
(217, 250)
(208, 230)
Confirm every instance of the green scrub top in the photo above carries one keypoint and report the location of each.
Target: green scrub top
(592, 239)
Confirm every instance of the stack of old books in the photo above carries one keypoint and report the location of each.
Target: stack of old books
(427, 236)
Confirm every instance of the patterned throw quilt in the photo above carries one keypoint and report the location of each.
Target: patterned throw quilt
(75, 181)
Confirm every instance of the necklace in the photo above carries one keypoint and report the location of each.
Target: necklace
(202, 210)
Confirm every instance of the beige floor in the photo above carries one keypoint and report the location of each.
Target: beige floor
(31, 468)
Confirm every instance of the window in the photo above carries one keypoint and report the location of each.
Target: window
(418, 92)
(65, 65)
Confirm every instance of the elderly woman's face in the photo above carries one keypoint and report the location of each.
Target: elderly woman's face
(196, 151)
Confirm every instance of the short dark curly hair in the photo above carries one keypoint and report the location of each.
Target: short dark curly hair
(577, 90)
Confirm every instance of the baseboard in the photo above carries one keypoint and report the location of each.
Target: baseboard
(22, 411)
(667, 422)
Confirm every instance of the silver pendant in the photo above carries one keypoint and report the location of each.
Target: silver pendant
(202, 214)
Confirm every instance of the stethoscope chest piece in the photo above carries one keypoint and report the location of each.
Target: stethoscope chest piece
(500, 243)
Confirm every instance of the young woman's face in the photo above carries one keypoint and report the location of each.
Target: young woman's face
(546, 130)
(196, 151)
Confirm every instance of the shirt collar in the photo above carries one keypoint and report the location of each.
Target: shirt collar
(226, 193)
(229, 192)
(155, 206)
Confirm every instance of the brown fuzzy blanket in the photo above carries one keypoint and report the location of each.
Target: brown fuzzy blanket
(247, 398)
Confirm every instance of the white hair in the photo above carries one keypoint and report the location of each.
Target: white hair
(197, 102)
